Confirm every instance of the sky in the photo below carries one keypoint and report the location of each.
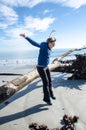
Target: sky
(37, 18)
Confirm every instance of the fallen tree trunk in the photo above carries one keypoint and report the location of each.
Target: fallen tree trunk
(15, 85)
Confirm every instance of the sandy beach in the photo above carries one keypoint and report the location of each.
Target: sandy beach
(34, 35)
(26, 106)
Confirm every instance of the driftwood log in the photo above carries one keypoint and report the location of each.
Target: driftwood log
(77, 67)
(15, 85)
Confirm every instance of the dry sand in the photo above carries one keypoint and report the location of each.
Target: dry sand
(26, 106)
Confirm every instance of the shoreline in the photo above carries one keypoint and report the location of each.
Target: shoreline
(9, 73)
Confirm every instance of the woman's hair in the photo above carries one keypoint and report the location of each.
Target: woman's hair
(51, 39)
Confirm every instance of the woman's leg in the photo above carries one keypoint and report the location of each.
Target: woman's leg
(50, 83)
(43, 75)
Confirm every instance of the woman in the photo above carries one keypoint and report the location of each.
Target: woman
(42, 66)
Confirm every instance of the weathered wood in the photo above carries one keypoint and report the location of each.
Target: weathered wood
(67, 53)
(79, 67)
(65, 68)
(15, 85)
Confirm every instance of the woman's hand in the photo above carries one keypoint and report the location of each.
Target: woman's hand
(23, 35)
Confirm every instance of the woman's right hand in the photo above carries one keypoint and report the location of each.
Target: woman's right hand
(22, 35)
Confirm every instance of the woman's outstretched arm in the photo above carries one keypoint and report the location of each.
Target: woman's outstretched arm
(30, 40)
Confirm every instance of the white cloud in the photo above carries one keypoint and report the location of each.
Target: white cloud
(69, 3)
(37, 23)
(3, 25)
(22, 3)
(47, 11)
(7, 16)
(14, 33)
(29, 26)
(10, 2)
(74, 3)
(31, 3)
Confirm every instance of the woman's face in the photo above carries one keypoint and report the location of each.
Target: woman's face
(51, 45)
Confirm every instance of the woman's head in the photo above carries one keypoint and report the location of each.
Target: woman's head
(51, 42)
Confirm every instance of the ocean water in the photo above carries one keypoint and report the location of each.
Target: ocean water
(26, 60)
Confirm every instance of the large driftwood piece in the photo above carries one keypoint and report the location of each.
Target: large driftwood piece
(15, 85)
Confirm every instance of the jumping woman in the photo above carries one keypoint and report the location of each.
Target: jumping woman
(42, 65)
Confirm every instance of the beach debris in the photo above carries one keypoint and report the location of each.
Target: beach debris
(69, 124)
(35, 126)
(43, 127)
(3, 81)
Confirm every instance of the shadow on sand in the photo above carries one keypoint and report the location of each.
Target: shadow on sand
(35, 109)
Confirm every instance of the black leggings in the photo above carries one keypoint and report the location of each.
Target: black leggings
(46, 79)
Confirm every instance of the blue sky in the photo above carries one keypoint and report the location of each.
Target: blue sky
(37, 18)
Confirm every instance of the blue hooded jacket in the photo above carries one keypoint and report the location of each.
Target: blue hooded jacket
(44, 52)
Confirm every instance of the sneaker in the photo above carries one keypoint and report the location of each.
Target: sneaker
(48, 102)
(53, 97)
